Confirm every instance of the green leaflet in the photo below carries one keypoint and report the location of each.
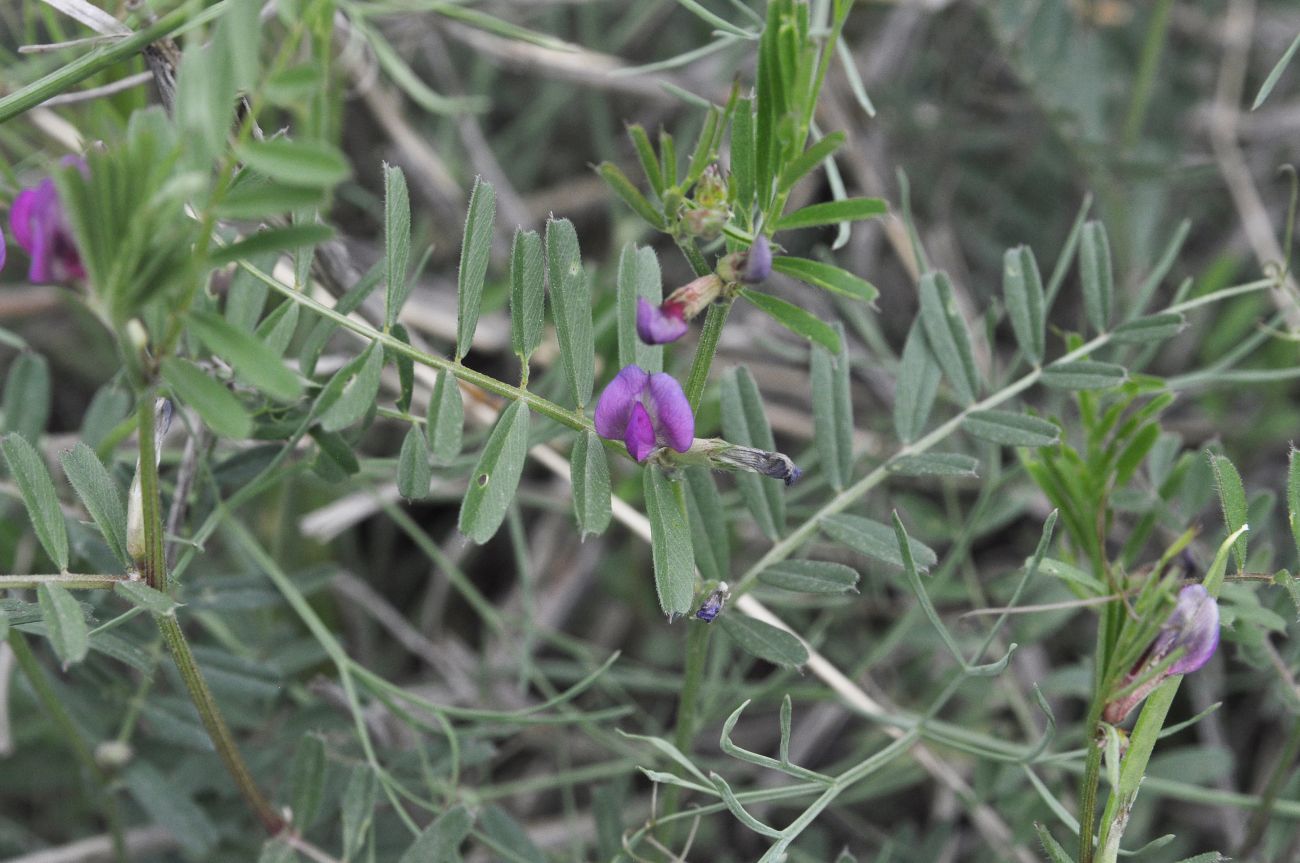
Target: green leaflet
(918, 385)
(64, 623)
(254, 362)
(589, 472)
(571, 308)
(220, 410)
(397, 241)
(876, 540)
(297, 163)
(1011, 429)
(37, 489)
(495, 478)
(527, 293)
(833, 412)
(743, 422)
(101, 496)
(350, 394)
(26, 398)
(446, 419)
(946, 334)
(794, 319)
(476, 247)
(1022, 287)
(413, 470)
(1096, 275)
(810, 576)
(827, 277)
(670, 544)
(764, 640)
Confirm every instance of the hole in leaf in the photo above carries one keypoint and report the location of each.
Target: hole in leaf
(482, 480)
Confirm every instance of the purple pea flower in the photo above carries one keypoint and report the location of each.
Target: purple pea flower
(645, 411)
(40, 227)
(1193, 627)
(667, 322)
(659, 325)
(713, 603)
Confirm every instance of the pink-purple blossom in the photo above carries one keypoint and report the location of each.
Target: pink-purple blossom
(645, 411)
(658, 325)
(1193, 627)
(41, 228)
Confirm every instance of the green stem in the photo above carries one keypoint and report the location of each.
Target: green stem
(71, 735)
(1259, 820)
(215, 724)
(694, 256)
(154, 565)
(155, 570)
(1088, 796)
(710, 333)
(1146, 75)
(697, 653)
(70, 580)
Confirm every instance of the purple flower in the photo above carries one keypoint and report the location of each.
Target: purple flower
(713, 603)
(645, 411)
(1193, 627)
(659, 325)
(758, 261)
(40, 227)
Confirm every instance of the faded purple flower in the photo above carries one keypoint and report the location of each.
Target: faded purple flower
(1193, 627)
(645, 411)
(722, 455)
(40, 227)
(713, 603)
(758, 261)
(657, 325)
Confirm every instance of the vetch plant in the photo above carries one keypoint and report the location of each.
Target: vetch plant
(348, 568)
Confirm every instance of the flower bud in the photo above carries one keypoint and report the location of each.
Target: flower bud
(711, 190)
(713, 603)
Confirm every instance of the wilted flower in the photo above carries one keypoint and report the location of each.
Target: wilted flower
(40, 227)
(645, 411)
(722, 455)
(658, 325)
(713, 603)
(1193, 627)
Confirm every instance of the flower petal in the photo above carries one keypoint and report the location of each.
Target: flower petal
(674, 421)
(659, 325)
(1194, 624)
(640, 434)
(758, 263)
(616, 402)
(20, 218)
